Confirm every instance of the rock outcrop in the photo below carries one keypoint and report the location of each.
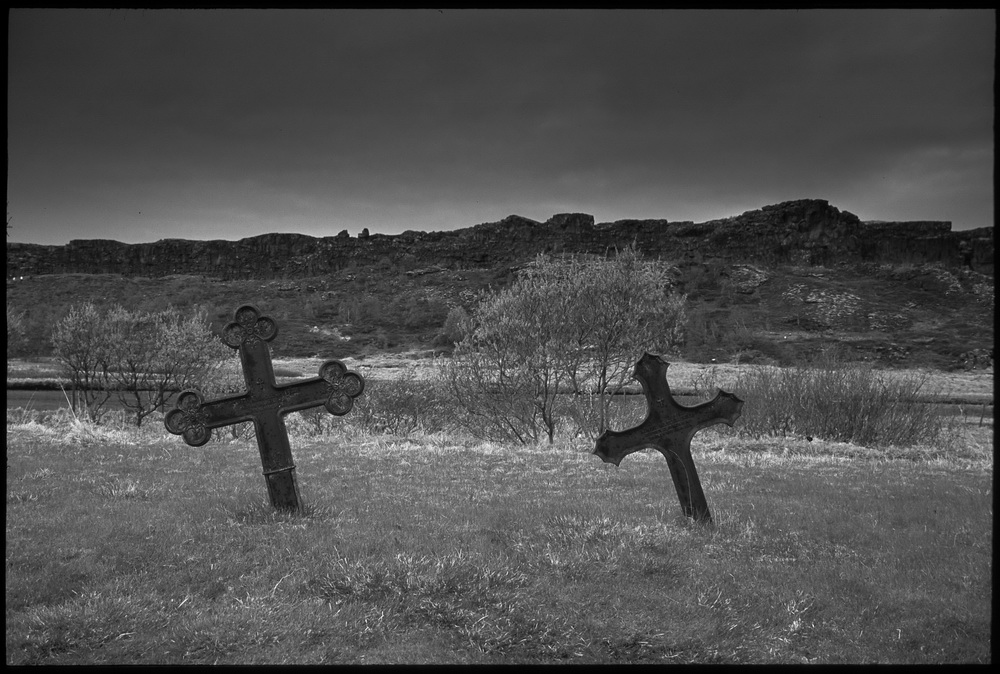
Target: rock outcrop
(807, 232)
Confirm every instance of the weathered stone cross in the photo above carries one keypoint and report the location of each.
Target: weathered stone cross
(669, 427)
(264, 403)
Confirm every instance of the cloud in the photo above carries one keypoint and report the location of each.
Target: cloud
(399, 118)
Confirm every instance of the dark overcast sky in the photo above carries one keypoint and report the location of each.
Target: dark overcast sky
(221, 124)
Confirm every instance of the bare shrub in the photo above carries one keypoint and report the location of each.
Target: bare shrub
(493, 400)
(156, 354)
(143, 358)
(80, 347)
(836, 400)
(401, 406)
(618, 308)
(586, 411)
(567, 324)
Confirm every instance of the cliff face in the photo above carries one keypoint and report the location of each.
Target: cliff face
(809, 232)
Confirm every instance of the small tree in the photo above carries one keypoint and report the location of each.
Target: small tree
(155, 355)
(573, 322)
(509, 367)
(143, 358)
(81, 347)
(622, 307)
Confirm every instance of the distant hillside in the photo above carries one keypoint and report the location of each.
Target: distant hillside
(775, 285)
(810, 232)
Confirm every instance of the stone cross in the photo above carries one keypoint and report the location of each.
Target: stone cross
(264, 402)
(668, 428)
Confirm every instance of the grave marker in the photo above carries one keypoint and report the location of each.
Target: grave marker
(264, 403)
(668, 428)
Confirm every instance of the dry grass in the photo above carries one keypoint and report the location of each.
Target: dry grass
(125, 546)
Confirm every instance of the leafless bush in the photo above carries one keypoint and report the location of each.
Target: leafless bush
(400, 406)
(836, 400)
(584, 414)
(143, 358)
(567, 324)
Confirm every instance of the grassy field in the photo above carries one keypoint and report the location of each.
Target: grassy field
(126, 546)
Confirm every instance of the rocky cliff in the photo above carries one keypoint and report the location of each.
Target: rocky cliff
(809, 232)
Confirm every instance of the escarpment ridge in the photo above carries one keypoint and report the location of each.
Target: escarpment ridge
(803, 232)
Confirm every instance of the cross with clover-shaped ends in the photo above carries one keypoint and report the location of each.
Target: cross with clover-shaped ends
(264, 403)
(668, 428)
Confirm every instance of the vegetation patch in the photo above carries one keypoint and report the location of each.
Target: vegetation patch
(750, 312)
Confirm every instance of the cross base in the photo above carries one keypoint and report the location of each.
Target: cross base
(282, 489)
